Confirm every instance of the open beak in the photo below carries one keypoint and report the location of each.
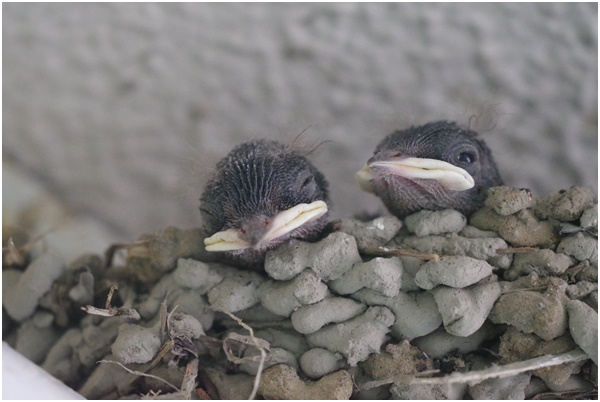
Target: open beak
(447, 175)
(284, 222)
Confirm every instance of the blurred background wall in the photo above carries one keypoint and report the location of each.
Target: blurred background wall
(122, 109)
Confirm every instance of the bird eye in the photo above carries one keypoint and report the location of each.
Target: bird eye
(306, 181)
(467, 157)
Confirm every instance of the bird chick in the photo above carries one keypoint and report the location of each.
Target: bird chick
(261, 195)
(435, 166)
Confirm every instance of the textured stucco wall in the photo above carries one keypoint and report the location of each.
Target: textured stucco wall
(124, 108)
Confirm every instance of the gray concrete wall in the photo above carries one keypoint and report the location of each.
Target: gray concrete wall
(123, 109)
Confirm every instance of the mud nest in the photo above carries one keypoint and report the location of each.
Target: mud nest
(502, 305)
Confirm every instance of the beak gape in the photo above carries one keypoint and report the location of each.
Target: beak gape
(282, 223)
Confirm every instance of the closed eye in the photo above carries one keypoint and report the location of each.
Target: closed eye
(206, 211)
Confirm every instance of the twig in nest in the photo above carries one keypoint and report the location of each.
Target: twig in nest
(181, 344)
(174, 345)
(206, 386)
(164, 318)
(538, 288)
(398, 378)
(474, 377)
(211, 342)
(568, 395)
(14, 256)
(515, 250)
(169, 345)
(260, 344)
(570, 275)
(109, 254)
(161, 353)
(401, 252)
(203, 395)
(140, 373)
(235, 345)
(110, 311)
(256, 325)
(188, 384)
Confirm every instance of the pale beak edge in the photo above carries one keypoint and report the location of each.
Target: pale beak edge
(283, 223)
(364, 179)
(449, 176)
(226, 240)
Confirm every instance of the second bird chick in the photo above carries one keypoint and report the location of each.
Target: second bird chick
(435, 166)
(262, 194)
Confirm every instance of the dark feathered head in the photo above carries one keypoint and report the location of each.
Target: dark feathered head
(262, 194)
(435, 166)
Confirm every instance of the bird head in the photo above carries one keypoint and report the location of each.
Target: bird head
(261, 195)
(434, 166)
